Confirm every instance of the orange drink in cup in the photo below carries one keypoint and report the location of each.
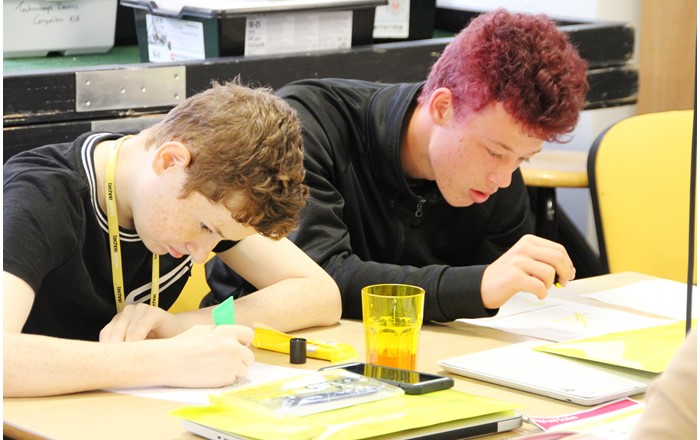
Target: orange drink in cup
(392, 315)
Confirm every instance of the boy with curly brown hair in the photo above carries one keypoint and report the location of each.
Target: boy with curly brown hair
(100, 235)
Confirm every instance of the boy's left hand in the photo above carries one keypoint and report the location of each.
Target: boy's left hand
(141, 321)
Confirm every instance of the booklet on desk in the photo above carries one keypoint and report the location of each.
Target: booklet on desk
(519, 366)
(462, 429)
(441, 414)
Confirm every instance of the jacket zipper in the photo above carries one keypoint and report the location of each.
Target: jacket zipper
(419, 208)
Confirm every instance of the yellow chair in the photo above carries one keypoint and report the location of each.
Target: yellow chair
(195, 289)
(639, 177)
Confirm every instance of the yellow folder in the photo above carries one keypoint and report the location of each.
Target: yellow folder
(375, 418)
(647, 349)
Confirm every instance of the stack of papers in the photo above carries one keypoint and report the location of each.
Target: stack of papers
(660, 297)
(599, 354)
(558, 320)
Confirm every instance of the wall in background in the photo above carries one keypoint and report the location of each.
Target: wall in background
(667, 55)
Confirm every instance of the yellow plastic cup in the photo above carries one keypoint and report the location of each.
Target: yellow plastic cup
(392, 315)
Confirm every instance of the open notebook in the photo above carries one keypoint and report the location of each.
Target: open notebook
(519, 366)
(465, 428)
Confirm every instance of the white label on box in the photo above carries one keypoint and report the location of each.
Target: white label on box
(37, 27)
(47, 13)
(170, 39)
(391, 21)
(297, 32)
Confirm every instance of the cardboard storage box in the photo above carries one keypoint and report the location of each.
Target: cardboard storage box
(172, 30)
(34, 28)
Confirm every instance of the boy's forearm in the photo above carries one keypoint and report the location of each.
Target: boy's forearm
(291, 304)
(35, 365)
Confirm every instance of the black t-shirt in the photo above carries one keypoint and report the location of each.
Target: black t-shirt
(55, 238)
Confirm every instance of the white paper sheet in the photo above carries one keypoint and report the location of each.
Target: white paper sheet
(258, 372)
(661, 297)
(560, 320)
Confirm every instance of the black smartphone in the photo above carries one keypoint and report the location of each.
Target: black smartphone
(412, 382)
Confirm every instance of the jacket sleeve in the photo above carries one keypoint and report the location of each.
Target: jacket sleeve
(323, 231)
(451, 292)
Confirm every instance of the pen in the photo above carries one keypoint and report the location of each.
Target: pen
(556, 281)
(224, 313)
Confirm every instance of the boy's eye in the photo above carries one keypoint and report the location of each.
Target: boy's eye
(205, 227)
(494, 154)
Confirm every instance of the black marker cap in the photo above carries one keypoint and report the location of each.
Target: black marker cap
(297, 351)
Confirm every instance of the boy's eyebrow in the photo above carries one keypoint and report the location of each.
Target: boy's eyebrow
(499, 143)
(502, 145)
(509, 149)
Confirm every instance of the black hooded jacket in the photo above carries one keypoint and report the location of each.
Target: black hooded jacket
(366, 224)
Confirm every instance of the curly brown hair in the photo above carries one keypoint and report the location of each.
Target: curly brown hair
(522, 61)
(242, 140)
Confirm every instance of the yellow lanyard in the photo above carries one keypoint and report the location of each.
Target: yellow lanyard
(113, 222)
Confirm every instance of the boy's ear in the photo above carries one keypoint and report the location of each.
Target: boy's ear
(171, 154)
(441, 106)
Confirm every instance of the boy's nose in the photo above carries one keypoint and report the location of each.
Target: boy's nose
(501, 177)
(200, 251)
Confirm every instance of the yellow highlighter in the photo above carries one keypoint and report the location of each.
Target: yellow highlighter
(270, 339)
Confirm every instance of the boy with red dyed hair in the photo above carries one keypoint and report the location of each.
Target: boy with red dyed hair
(419, 183)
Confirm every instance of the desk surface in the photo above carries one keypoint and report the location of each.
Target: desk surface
(107, 415)
(556, 169)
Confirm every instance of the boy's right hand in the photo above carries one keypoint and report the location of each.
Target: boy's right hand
(207, 356)
(531, 265)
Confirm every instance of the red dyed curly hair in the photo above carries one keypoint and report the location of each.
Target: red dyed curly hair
(522, 61)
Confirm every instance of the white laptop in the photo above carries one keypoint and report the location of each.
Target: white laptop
(573, 380)
(465, 428)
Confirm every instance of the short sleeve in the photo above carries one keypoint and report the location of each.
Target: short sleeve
(43, 220)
